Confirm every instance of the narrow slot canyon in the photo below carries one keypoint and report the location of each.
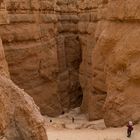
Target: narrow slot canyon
(68, 64)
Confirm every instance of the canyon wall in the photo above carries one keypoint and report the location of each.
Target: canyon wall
(64, 52)
(43, 52)
(20, 118)
(115, 63)
(31, 52)
(69, 54)
(122, 63)
(86, 28)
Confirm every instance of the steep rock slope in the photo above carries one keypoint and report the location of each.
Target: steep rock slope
(86, 29)
(43, 52)
(19, 116)
(69, 53)
(115, 60)
(58, 50)
(123, 72)
(30, 47)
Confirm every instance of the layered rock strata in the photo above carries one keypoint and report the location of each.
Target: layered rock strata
(120, 45)
(31, 51)
(86, 29)
(20, 118)
(115, 63)
(43, 52)
(58, 50)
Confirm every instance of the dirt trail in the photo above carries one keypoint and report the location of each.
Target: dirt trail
(108, 134)
(62, 128)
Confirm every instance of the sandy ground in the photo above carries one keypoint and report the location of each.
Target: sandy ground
(62, 128)
(109, 134)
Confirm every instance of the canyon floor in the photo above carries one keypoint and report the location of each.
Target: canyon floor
(62, 128)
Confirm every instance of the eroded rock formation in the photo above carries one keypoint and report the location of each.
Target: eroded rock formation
(61, 50)
(120, 45)
(20, 118)
(31, 52)
(115, 64)
(43, 52)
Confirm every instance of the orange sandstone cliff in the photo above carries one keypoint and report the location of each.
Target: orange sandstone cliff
(20, 118)
(70, 53)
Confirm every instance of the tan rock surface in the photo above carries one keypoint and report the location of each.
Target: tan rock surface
(43, 52)
(122, 76)
(60, 51)
(19, 116)
(31, 52)
(86, 28)
(116, 69)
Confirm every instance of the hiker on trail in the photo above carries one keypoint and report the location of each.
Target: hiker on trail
(63, 112)
(72, 119)
(129, 128)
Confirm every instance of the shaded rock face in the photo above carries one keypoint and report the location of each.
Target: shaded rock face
(43, 52)
(31, 51)
(86, 29)
(20, 118)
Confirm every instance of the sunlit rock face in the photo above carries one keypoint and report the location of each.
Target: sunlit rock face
(20, 118)
(31, 52)
(115, 64)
